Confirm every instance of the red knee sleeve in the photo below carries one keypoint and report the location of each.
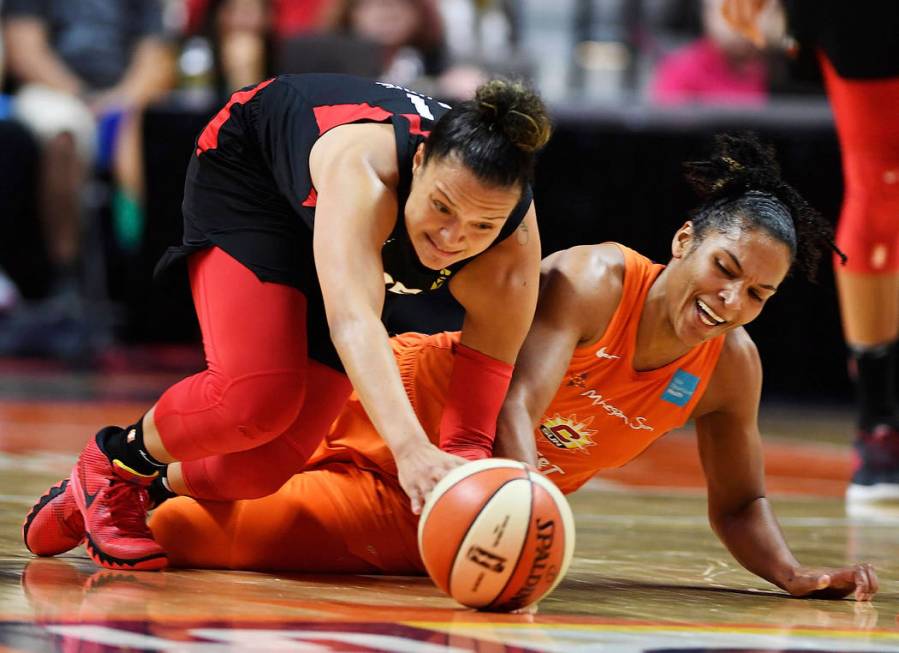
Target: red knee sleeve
(865, 112)
(255, 344)
(477, 388)
(209, 413)
(262, 470)
(868, 230)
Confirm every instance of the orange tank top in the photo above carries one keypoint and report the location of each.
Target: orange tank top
(606, 413)
(602, 416)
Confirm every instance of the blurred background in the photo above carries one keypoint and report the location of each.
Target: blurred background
(102, 101)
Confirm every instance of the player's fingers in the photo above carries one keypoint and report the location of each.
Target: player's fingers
(810, 582)
(874, 582)
(865, 582)
(415, 502)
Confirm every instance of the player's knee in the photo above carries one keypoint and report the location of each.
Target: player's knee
(262, 406)
(870, 243)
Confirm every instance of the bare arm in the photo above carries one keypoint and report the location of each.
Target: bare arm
(499, 293)
(150, 74)
(32, 60)
(570, 312)
(739, 512)
(352, 169)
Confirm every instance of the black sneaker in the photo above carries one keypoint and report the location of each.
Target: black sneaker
(876, 475)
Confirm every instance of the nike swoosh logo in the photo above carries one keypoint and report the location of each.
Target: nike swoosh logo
(603, 354)
(147, 458)
(88, 497)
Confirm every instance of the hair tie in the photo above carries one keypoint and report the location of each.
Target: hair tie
(733, 164)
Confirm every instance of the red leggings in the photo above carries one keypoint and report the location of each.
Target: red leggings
(250, 421)
(865, 112)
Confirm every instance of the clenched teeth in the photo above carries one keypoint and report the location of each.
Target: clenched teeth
(707, 315)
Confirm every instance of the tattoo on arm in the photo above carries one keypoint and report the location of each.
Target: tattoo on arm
(522, 234)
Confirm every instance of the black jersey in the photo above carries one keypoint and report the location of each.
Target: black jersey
(249, 190)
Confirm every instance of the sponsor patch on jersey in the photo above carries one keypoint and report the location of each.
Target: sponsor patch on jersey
(444, 275)
(578, 380)
(681, 388)
(568, 432)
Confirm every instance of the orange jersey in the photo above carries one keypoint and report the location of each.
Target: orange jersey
(604, 414)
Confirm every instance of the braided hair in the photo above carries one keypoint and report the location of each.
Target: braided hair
(741, 187)
(495, 135)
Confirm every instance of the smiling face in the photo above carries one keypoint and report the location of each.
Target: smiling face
(450, 214)
(723, 281)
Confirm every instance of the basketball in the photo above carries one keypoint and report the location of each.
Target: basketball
(496, 535)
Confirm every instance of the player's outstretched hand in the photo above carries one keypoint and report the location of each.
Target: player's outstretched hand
(860, 580)
(420, 468)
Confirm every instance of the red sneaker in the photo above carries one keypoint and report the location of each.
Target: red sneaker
(54, 525)
(113, 500)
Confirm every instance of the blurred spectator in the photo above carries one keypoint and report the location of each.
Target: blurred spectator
(9, 294)
(722, 67)
(228, 46)
(481, 40)
(83, 77)
(288, 17)
(233, 43)
(293, 17)
(409, 34)
(479, 28)
(82, 72)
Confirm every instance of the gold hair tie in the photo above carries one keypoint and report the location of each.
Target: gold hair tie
(490, 106)
(535, 129)
(733, 164)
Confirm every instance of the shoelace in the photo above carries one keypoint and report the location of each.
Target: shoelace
(128, 508)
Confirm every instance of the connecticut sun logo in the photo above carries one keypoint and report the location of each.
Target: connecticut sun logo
(568, 432)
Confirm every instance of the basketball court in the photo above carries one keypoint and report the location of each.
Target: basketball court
(647, 575)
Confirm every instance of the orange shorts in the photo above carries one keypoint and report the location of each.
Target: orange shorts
(335, 519)
(426, 365)
(344, 514)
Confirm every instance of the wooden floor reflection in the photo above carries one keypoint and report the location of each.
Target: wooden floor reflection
(648, 574)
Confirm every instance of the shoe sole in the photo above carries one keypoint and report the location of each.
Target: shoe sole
(886, 492)
(153, 562)
(51, 494)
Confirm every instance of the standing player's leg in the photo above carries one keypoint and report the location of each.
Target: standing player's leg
(868, 285)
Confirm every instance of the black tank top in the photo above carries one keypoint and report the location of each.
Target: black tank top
(249, 189)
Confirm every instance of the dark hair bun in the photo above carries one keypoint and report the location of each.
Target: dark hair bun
(739, 163)
(517, 111)
(742, 174)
